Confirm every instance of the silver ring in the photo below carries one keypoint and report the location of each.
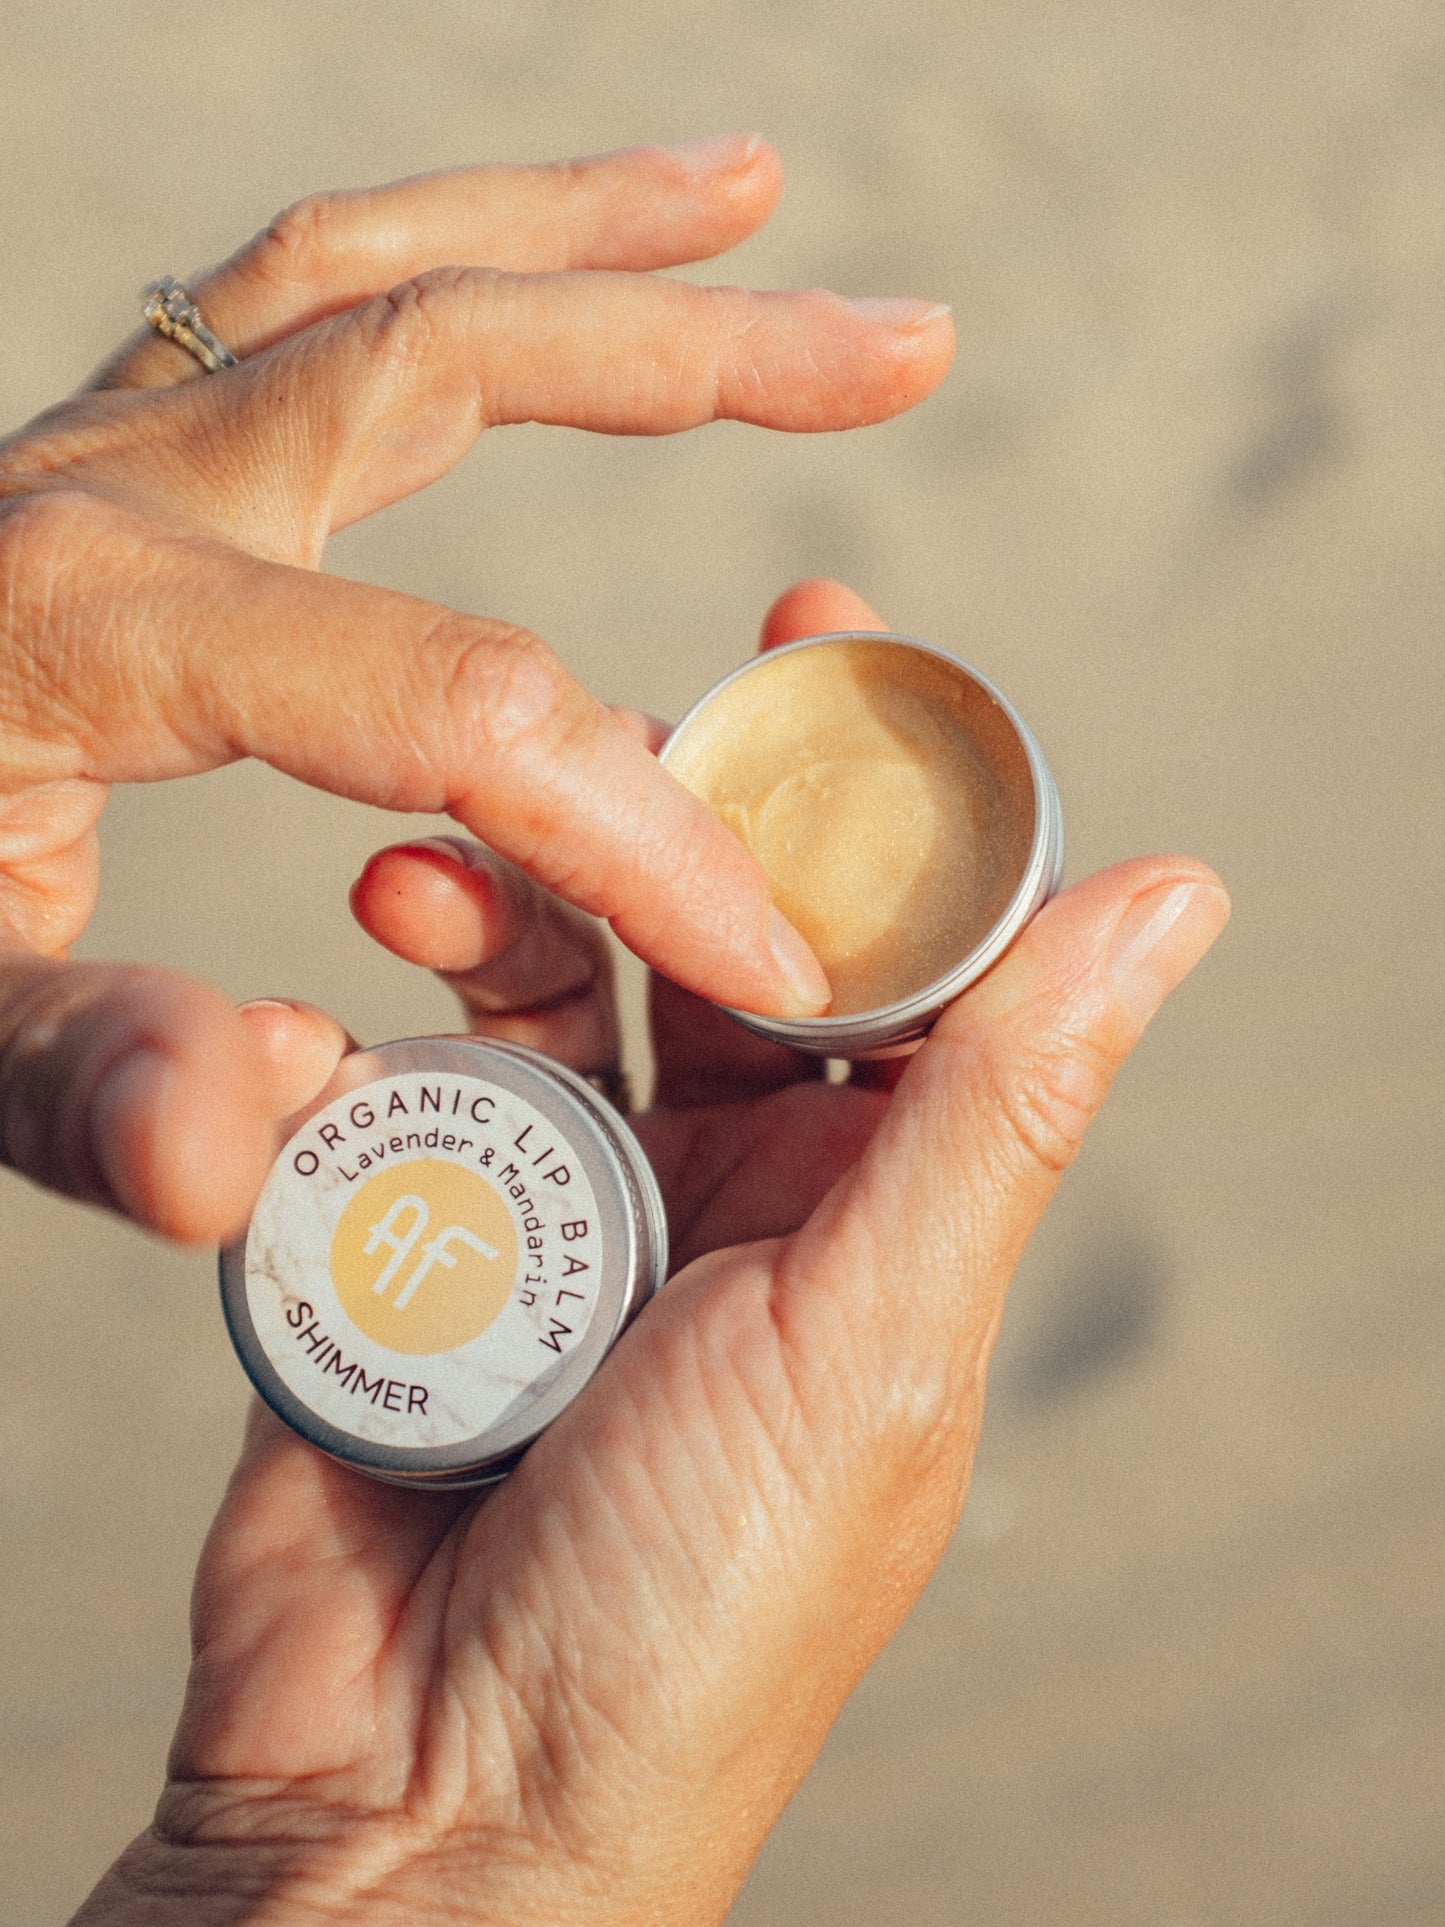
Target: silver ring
(171, 312)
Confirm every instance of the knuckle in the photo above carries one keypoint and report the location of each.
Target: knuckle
(571, 174)
(402, 326)
(37, 532)
(508, 695)
(423, 294)
(301, 240)
(43, 535)
(924, 1458)
(903, 1439)
(1044, 1098)
(64, 553)
(32, 561)
(923, 1425)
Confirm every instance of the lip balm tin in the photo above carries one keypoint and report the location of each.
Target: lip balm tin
(443, 1253)
(1018, 810)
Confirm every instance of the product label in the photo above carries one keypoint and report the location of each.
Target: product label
(425, 1256)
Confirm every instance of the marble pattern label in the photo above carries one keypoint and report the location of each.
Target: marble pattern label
(424, 1258)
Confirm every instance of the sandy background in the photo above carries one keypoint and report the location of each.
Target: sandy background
(1183, 498)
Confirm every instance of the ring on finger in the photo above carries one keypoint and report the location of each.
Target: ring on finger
(171, 312)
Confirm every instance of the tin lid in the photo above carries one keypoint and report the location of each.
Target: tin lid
(444, 1251)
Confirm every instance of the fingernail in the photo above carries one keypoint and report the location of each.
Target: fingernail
(808, 987)
(470, 855)
(264, 1003)
(652, 731)
(897, 311)
(1160, 938)
(123, 1109)
(716, 152)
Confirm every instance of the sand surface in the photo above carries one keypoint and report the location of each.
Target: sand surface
(1183, 499)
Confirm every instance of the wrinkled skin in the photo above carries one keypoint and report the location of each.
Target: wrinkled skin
(586, 1696)
(161, 611)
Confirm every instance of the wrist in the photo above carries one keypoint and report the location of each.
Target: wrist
(156, 1883)
(371, 1875)
(160, 1883)
(243, 1861)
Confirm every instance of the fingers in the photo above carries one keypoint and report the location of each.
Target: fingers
(396, 702)
(377, 403)
(526, 967)
(987, 1116)
(135, 1089)
(643, 208)
(817, 607)
(298, 1048)
(49, 862)
(449, 714)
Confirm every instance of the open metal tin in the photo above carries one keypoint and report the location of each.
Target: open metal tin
(1010, 820)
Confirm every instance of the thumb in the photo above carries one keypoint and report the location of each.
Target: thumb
(133, 1088)
(987, 1117)
(820, 1396)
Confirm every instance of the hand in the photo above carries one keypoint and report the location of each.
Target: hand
(161, 614)
(586, 1696)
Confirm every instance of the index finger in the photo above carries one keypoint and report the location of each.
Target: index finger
(394, 701)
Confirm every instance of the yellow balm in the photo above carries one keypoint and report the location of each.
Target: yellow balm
(886, 793)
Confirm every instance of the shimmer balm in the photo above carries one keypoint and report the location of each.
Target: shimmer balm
(902, 811)
(444, 1252)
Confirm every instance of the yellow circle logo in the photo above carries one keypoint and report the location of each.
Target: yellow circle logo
(424, 1257)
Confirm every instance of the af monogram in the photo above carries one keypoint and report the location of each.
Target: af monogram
(420, 1294)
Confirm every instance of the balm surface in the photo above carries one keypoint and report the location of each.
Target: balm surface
(884, 794)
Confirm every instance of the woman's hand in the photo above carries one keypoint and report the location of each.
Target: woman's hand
(586, 1696)
(161, 614)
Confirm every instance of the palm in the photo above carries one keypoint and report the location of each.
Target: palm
(587, 1694)
(356, 1643)
(733, 1173)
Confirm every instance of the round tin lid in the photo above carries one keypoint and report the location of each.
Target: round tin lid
(442, 1254)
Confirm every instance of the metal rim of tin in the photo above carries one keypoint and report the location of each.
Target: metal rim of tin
(894, 1026)
(634, 1250)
